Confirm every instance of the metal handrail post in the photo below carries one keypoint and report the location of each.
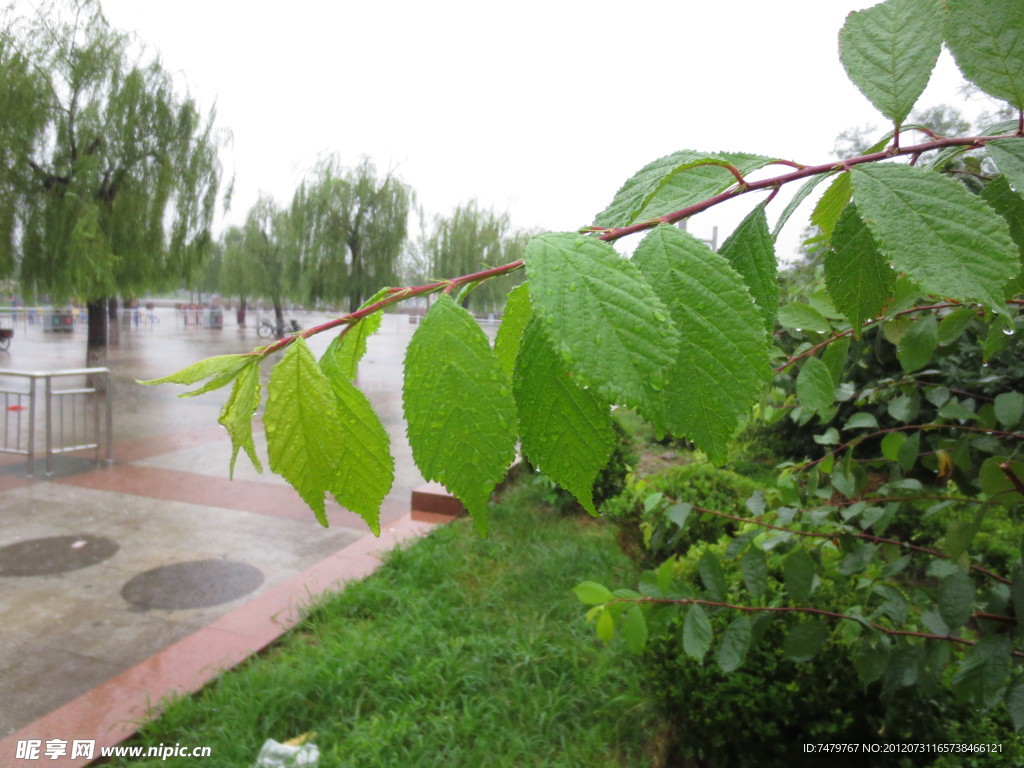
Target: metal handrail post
(31, 425)
(49, 427)
(110, 420)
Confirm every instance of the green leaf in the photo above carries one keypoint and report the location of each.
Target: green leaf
(565, 430)
(956, 599)
(301, 421)
(605, 625)
(858, 278)
(236, 416)
(918, 344)
(805, 640)
(986, 37)
(891, 445)
(862, 421)
(802, 317)
(751, 252)
(995, 482)
(872, 660)
(814, 386)
(889, 51)
(634, 629)
(1014, 701)
(835, 200)
(221, 370)
(604, 319)
(929, 226)
(1010, 205)
(834, 357)
(798, 570)
(1009, 407)
(908, 452)
(981, 679)
(516, 315)
(674, 182)
(592, 593)
(347, 348)
(722, 363)
(712, 575)
(732, 648)
(801, 194)
(365, 469)
(697, 632)
(1008, 155)
(996, 340)
(458, 404)
(952, 326)
(755, 573)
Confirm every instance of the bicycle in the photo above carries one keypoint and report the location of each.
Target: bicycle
(267, 329)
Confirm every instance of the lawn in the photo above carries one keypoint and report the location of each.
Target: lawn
(459, 651)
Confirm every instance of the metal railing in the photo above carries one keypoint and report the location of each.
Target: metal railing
(77, 418)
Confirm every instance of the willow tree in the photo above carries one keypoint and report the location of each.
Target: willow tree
(470, 240)
(352, 227)
(110, 175)
(263, 258)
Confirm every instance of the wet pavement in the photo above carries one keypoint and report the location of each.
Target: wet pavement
(123, 581)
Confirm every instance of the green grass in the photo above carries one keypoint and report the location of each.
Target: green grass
(459, 651)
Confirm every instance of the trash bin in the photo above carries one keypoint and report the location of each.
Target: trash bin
(59, 321)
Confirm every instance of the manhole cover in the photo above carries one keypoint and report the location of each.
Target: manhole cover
(194, 584)
(54, 554)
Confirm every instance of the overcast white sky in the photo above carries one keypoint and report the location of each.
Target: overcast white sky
(542, 109)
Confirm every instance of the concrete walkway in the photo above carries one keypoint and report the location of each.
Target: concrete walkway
(121, 584)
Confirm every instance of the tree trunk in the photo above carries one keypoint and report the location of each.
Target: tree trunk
(356, 273)
(113, 325)
(96, 346)
(241, 312)
(279, 318)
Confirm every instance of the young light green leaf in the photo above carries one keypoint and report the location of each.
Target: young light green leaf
(802, 317)
(458, 404)
(751, 252)
(798, 570)
(566, 431)
(365, 469)
(858, 278)
(805, 640)
(236, 416)
(592, 593)
(732, 648)
(918, 344)
(889, 51)
(605, 625)
(832, 204)
(697, 632)
(722, 363)
(221, 370)
(814, 386)
(929, 226)
(673, 182)
(602, 317)
(301, 422)
(634, 629)
(986, 37)
(347, 349)
(513, 322)
(956, 599)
